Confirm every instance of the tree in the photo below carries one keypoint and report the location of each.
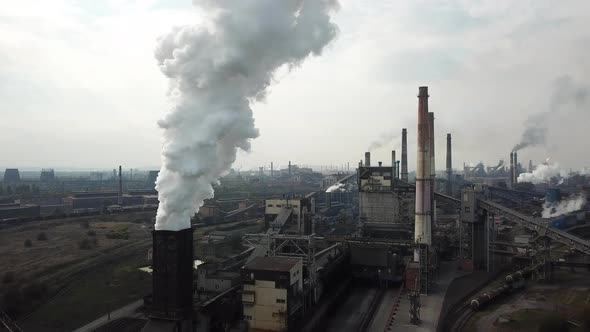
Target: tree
(28, 243)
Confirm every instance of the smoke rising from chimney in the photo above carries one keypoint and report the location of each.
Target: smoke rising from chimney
(543, 173)
(565, 91)
(214, 75)
(383, 140)
(575, 203)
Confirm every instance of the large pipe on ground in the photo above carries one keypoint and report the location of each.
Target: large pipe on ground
(367, 159)
(422, 232)
(449, 166)
(404, 171)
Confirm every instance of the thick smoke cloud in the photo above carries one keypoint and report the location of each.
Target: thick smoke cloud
(214, 75)
(382, 140)
(565, 91)
(573, 204)
(336, 186)
(543, 173)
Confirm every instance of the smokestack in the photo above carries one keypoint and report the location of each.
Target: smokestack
(393, 167)
(432, 168)
(367, 159)
(271, 169)
(515, 173)
(380, 163)
(530, 166)
(120, 196)
(172, 276)
(404, 172)
(511, 170)
(289, 168)
(449, 166)
(397, 169)
(423, 205)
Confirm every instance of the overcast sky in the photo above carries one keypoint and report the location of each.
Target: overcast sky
(79, 84)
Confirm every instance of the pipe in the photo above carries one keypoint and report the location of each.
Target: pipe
(367, 159)
(404, 172)
(423, 205)
(449, 166)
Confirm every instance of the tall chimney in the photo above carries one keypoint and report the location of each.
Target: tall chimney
(530, 166)
(404, 172)
(393, 167)
(367, 159)
(432, 168)
(120, 195)
(423, 205)
(515, 173)
(271, 169)
(397, 169)
(449, 166)
(511, 170)
(289, 168)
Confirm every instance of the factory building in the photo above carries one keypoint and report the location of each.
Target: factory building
(384, 200)
(11, 175)
(15, 210)
(272, 292)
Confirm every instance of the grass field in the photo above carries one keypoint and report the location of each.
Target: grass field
(103, 289)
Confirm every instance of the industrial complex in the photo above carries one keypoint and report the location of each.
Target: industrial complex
(375, 248)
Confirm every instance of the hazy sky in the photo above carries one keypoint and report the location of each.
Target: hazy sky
(79, 84)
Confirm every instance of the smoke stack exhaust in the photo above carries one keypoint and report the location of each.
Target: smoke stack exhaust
(404, 172)
(367, 159)
(449, 166)
(422, 231)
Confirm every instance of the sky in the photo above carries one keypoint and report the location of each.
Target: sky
(80, 86)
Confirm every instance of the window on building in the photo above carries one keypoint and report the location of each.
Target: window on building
(247, 317)
(280, 301)
(466, 197)
(269, 205)
(467, 209)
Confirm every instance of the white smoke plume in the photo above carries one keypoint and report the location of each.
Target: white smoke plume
(382, 140)
(334, 187)
(543, 173)
(215, 73)
(565, 91)
(572, 204)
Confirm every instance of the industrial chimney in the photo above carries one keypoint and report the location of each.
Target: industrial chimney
(511, 170)
(289, 168)
(422, 232)
(432, 167)
(393, 167)
(515, 168)
(449, 167)
(404, 171)
(367, 159)
(120, 196)
(272, 169)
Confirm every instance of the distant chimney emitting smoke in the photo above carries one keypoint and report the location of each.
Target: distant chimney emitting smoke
(404, 171)
(515, 168)
(367, 159)
(511, 170)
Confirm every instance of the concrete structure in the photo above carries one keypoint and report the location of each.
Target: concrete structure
(15, 210)
(11, 175)
(272, 292)
(422, 231)
(150, 183)
(211, 281)
(404, 172)
(47, 175)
